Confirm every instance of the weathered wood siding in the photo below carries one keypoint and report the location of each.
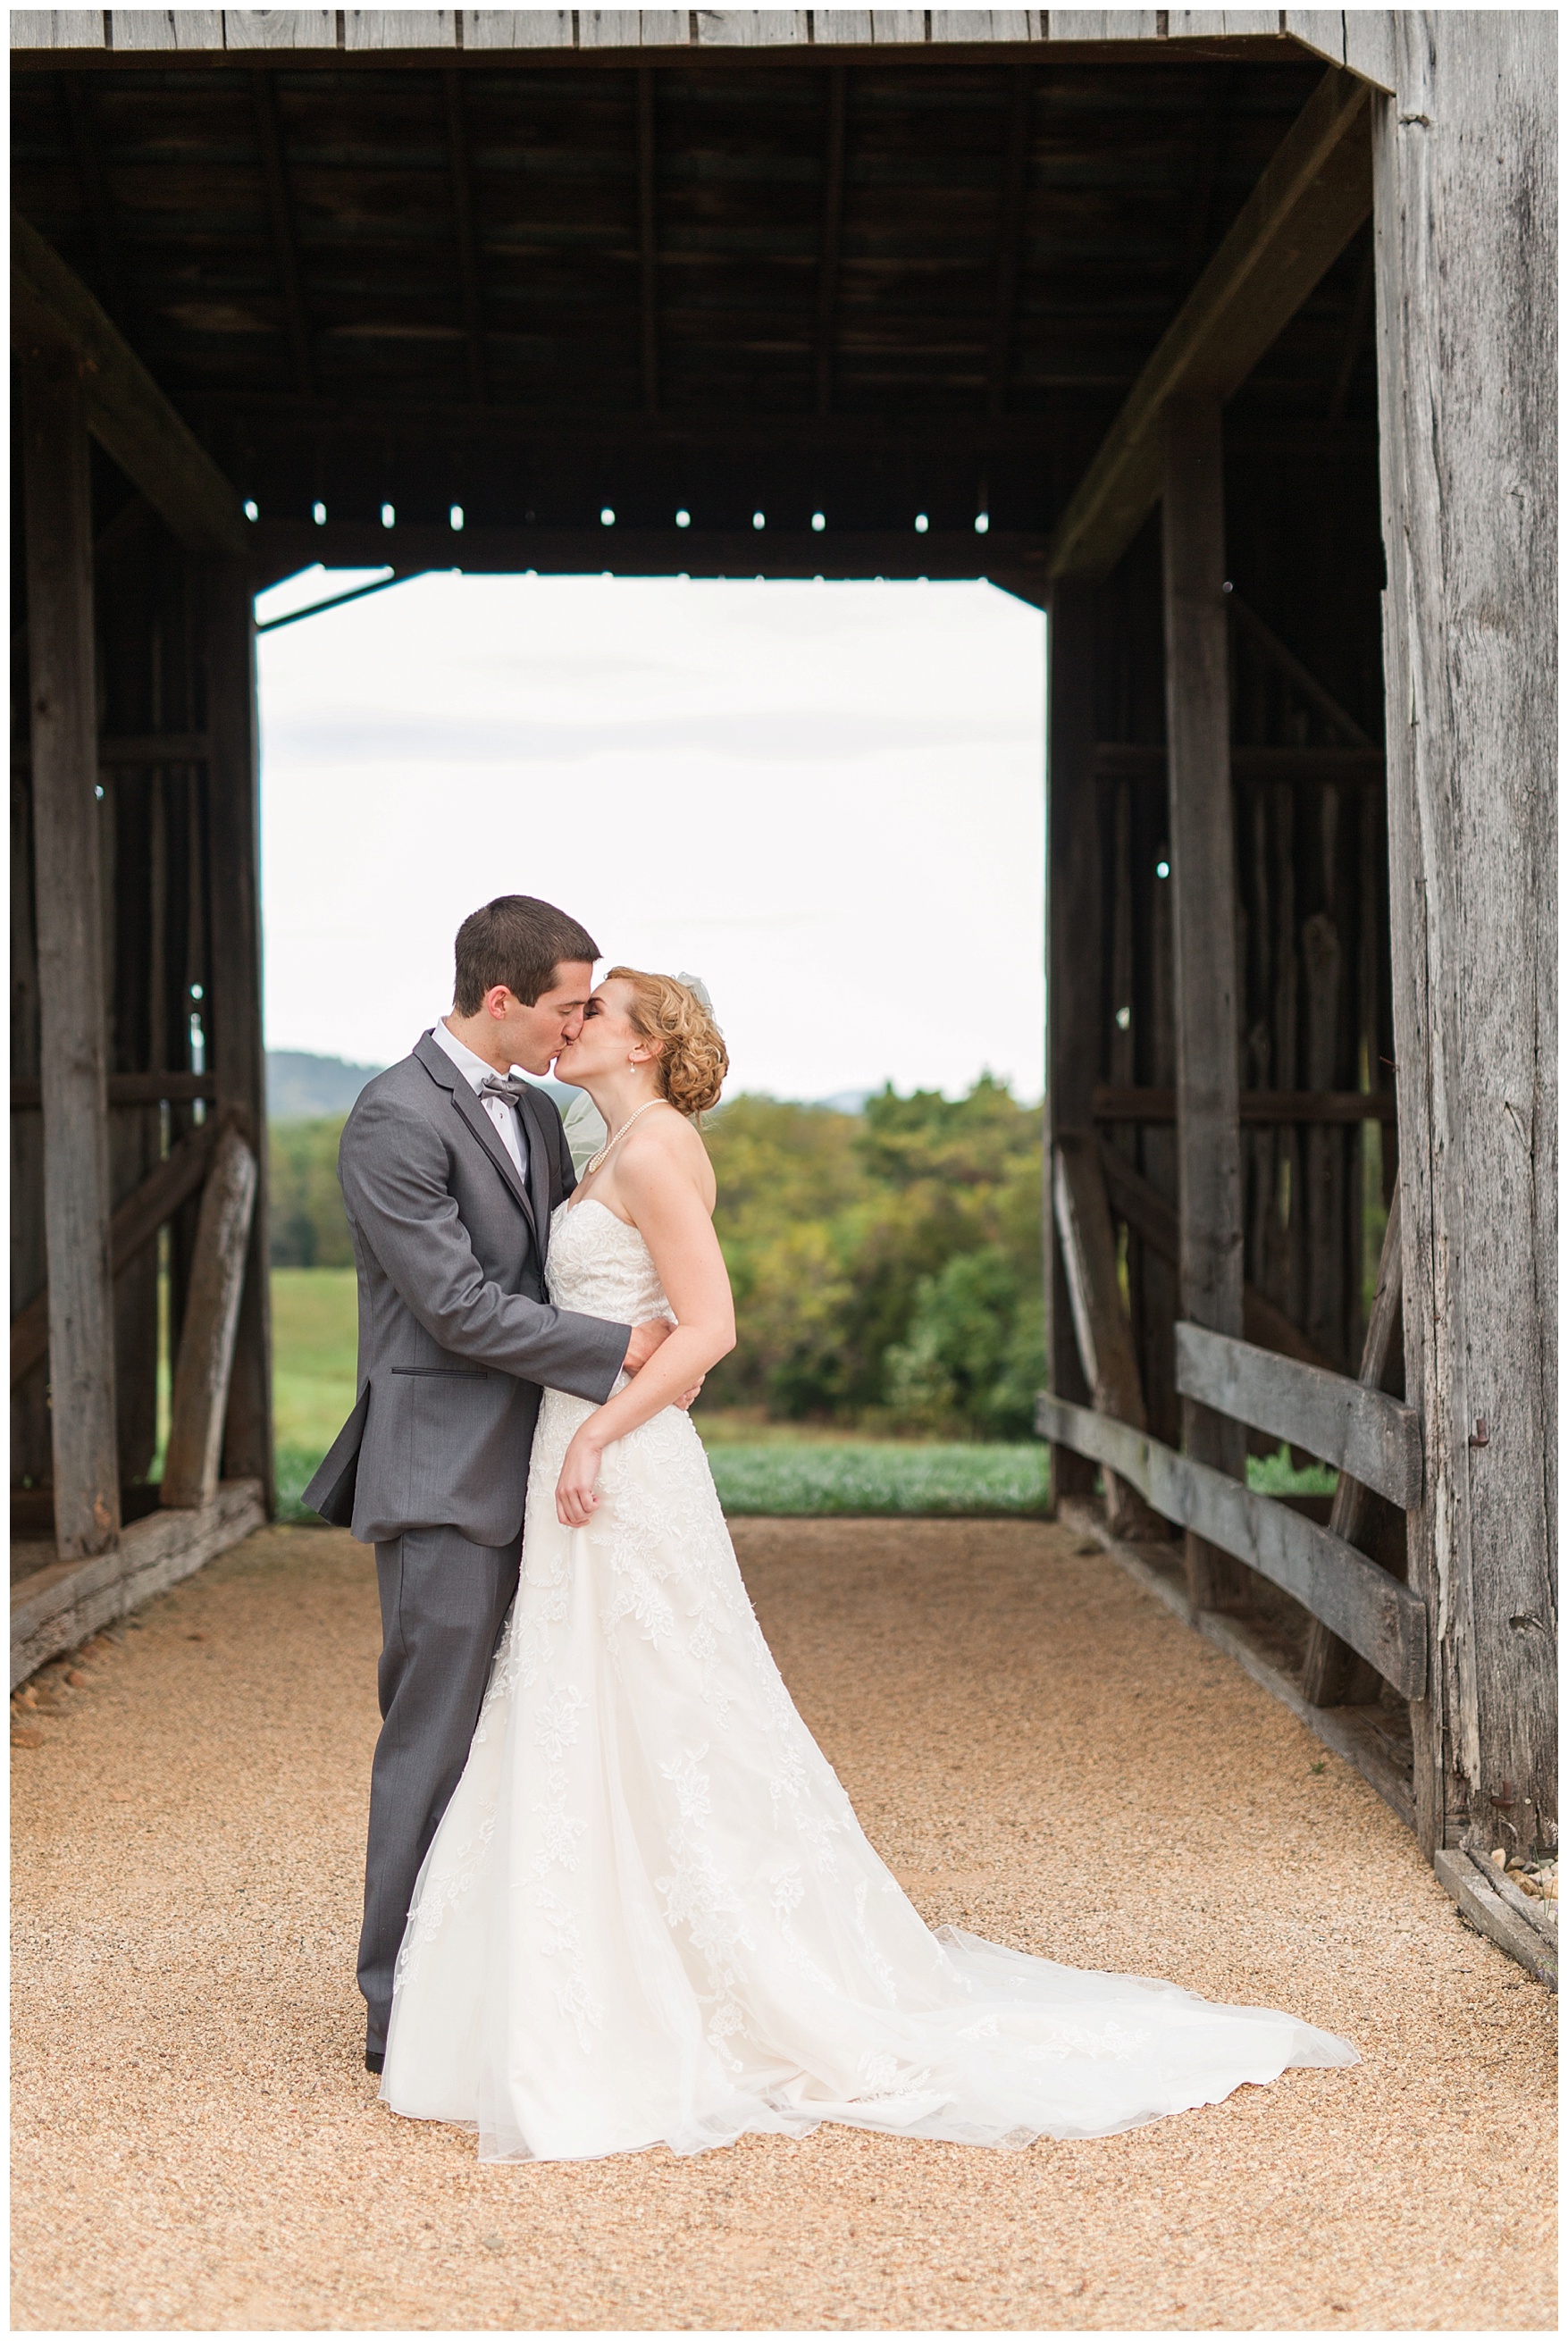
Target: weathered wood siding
(1467, 271)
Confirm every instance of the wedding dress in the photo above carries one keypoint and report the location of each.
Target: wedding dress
(649, 1912)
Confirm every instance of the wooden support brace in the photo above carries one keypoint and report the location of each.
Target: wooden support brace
(201, 1392)
(127, 412)
(79, 1305)
(1105, 1336)
(1331, 1673)
(1358, 1429)
(1370, 1610)
(133, 1225)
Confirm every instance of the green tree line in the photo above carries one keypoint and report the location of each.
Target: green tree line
(886, 1264)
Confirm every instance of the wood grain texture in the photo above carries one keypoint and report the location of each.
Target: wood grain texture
(1359, 1430)
(517, 28)
(58, 1606)
(1105, 1337)
(201, 1385)
(168, 28)
(1465, 227)
(1075, 1011)
(1203, 883)
(1332, 1675)
(399, 28)
(751, 28)
(57, 28)
(1298, 219)
(234, 1012)
(280, 28)
(127, 412)
(1260, 1107)
(1366, 1608)
(132, 1227)
(1322, 30)
(72, 1037)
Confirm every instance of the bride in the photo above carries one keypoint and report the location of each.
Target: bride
(649, 1912)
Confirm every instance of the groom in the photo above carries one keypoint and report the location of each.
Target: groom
(451, 1171)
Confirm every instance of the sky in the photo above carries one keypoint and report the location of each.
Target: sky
(826, 800)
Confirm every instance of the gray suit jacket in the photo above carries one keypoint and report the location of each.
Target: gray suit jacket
(456, 1336)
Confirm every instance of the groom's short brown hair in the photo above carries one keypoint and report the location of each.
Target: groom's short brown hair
(517, 941)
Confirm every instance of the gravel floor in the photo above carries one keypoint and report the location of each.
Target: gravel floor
(1042, 1753)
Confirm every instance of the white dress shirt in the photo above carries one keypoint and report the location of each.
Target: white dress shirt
(474, 1070)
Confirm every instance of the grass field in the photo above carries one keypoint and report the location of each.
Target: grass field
(758, 1467)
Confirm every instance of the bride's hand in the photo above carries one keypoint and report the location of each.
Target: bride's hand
(574, 1496)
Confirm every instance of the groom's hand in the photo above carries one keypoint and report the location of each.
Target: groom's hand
(645, 1340)
(688, 1399)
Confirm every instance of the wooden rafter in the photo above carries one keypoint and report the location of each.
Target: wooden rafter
(1009, 241)
(467, 232)
(832, 235)
(285, 241)
(1295, 225)
(127, 413)
(647, 239)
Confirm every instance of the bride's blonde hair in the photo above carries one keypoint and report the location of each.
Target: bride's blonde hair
(692, 1060)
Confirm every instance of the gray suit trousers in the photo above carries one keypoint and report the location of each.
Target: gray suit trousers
(443, 1603)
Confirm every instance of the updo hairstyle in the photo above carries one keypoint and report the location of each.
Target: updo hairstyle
(692, 1060)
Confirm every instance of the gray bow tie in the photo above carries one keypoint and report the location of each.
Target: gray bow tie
(498, 1085)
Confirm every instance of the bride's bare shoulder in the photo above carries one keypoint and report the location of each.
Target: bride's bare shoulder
(666, 1147)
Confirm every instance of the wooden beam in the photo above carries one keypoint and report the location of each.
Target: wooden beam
(1301, 677)
(160, 1195)
(128, 1089)
(73, 1041)
(1365, 1606)
(1203, 885)
(1073, 1008)
(1467, 400)
(133, 751)
(1354, 768)
(1332, 1675)
(1298, 219)
(1010, 234)
(1358, 1429)
(127, 412)
(1260, 1107)
(281, 547)
(234, 1002)
(467, 234)
(199, 1402)
(285, 241)
(1105, 1337)
(1145, 1211)
(831, 248)
(87, 145)
(648, 238)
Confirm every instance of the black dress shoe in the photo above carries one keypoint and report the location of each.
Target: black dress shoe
(375, 2059)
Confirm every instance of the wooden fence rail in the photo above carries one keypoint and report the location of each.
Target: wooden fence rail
(1366, 1608)
(1373, 1437)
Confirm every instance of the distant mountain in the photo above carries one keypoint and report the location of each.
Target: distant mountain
(845, 1100)
(303, 1088)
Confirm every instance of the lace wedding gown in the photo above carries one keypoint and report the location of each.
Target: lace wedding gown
(649, 1912)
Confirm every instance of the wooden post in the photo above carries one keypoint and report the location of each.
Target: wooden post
(234, 1023)
(72, 1069)
(1074, 1007)
(202, 1371)
(1465, 181)
(1105, 1336)
(1203, 875)
(1332, 1675)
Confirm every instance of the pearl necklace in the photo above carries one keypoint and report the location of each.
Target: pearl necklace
(597, 1160)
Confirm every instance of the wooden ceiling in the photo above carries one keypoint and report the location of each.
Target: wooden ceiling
(863, 286)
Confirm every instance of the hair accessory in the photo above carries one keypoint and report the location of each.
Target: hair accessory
(697, 989)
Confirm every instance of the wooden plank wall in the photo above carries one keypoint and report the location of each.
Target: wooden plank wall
(1313, 940)
(1363, 39)
(155, 841)
(1466, 210)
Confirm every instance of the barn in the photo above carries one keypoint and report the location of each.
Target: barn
(1225, 339)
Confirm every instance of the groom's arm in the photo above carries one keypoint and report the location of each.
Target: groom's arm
(394, 1171)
